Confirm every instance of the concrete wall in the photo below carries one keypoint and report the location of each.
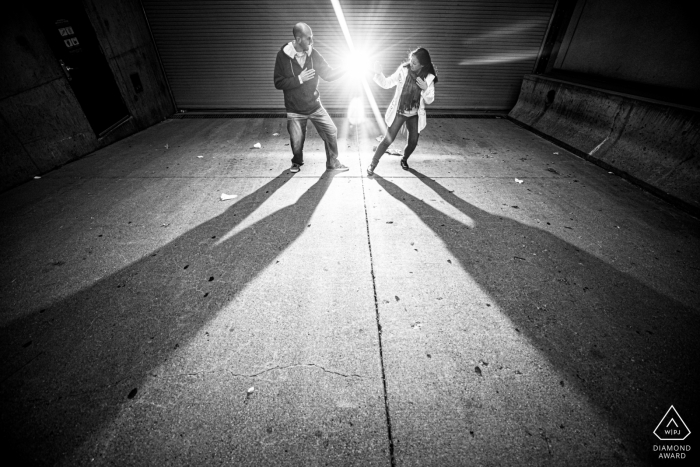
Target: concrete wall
(650, 42)
(655, 144)
(624, 91)
(42, 125)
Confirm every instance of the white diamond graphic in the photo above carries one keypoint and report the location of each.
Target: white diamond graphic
(677, 433)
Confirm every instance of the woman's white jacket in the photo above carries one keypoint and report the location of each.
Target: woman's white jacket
(427, 96)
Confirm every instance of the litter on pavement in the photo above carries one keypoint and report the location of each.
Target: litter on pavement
(392, 151)
(225, 197)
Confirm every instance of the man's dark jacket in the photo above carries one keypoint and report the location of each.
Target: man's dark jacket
(302, 98)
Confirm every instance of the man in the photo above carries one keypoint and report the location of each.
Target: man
(297, 69)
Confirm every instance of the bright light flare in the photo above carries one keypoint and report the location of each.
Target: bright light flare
(358, 62)
(356, 111)
(343, 25)
(375, 108)
(501, 58)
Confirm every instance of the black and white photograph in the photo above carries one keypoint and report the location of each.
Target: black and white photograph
(349, 233)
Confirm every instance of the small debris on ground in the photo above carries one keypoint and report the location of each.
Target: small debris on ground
(257, 146)
(416, 325)
(556, 153)
(166, 146)
(477, 370)
(36, 177)
(275, 134)
(517, 180)
(200, 157)
(249, 393)
(379, 138)
(225, 197)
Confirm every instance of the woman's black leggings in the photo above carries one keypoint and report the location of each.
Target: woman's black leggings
(392, 131)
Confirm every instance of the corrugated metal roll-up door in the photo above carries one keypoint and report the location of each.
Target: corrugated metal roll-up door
(221, 54)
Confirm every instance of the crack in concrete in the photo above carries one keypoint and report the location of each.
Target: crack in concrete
(392, 456)
(267, 370)
(618, 131)
(21, 367)
(298, 366)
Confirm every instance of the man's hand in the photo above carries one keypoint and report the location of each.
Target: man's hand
(307, 75)
(422, 84)
(377, 68)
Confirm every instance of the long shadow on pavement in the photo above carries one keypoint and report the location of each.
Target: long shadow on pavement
(92, 348)
(630, 349)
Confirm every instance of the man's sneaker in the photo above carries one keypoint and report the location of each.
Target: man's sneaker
(370, 171)
(338, 167)
(404, 164)
(295, 168)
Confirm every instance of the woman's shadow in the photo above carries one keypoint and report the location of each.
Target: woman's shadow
(630, 349)
(68, 368)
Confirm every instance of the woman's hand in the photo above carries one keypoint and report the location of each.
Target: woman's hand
(422, 84)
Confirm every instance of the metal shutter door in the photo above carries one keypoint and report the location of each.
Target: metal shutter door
(221, 54)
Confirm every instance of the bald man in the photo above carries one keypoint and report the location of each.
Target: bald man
(297, 69)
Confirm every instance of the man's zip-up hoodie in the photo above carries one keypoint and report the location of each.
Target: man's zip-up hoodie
(301, 98)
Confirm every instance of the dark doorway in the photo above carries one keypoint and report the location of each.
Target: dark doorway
(73, 40)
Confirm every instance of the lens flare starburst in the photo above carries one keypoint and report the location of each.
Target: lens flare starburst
(358, 64)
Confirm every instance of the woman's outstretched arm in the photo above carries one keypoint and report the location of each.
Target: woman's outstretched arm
(389, 82)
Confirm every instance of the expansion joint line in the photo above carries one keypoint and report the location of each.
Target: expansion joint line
(376, 307)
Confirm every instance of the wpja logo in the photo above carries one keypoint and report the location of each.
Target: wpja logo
(672, 428)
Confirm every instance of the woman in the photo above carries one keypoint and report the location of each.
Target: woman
(415, 87)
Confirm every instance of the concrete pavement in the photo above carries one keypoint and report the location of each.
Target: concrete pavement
(447, 315)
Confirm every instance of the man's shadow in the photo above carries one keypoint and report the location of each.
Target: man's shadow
(630, 349)
(67, 369)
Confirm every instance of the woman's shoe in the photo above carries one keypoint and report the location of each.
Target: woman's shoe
(404, 164)
(370, 171)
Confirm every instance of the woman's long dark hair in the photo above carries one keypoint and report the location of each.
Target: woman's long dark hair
(423, 57)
